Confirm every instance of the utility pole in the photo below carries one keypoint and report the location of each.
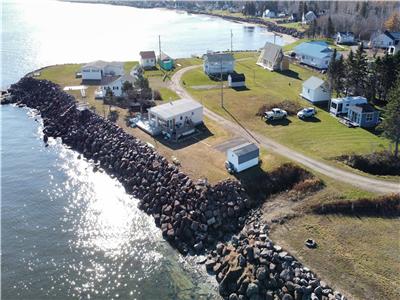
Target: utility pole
(231, 41)
(159, 49)
(222, 85)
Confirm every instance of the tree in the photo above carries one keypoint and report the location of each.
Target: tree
(336, 73)
(391, 121)
(364, 9)
(109, 94)
(350, 77)
(331, 27)
(359, 71)
(393, 22)
(126, 87)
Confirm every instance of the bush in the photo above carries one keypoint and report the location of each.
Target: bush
(157, 95)
(387, 205)
(291, 107)
(377, 163)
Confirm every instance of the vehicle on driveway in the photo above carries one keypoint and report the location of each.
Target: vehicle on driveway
(308, 112)
(275, 114)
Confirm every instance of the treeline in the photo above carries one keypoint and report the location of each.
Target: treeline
(358, 76)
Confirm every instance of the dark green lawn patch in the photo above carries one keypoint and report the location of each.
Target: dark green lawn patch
(377, 163)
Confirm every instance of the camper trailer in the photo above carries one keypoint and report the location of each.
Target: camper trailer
(340, 106)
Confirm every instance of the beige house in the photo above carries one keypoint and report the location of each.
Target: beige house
(272, 58)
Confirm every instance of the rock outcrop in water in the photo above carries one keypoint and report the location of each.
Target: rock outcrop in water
(192, 216)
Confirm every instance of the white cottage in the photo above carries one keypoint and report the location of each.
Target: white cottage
(217, 63)
(315, 53)
(344, 38)
(115, 84)
(315, 90)
(242, 157)
(269, 14)
(147, 59)
(98, 69)
(176, 119)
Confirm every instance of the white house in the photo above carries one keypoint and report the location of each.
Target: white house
(217, 63)
(176, 119)
(269, 14)
(385, 40)
(344, 38)
(243, 157)
(340, 106)
(308, 18)
(115, 84)
(315, 90)
(315, 53)
(147, 59)
(236, 80)
(98, 69)
(272, 58)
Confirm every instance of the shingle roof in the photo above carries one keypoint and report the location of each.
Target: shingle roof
(317, 49)
(103, 64)
(363, 108)
(106, 80)
(237, 77)
(164, 56)
(393, 35)
(246, 152)
(310, 16)
(169, 110)
(313, 82)
(217, 57)
(147, 54)
(271, 52)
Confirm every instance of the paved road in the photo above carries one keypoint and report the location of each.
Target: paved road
(362, 182)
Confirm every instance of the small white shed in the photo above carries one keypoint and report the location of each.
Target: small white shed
(315, 90)
(243, 156)
(236, 80)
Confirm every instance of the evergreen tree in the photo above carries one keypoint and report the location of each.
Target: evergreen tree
(360, 71)
(364, 9)
(391, 121)
(336, 73)
(350, 77)
(331, 27)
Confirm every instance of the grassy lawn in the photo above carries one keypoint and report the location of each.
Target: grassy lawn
(324, 139)
(295, 25)
(129, 65)
(360, 255)
(168, 94)
(62, 74)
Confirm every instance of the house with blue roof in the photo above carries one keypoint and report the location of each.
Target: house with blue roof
(316, 54)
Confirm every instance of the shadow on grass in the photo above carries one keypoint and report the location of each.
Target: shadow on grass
(202, 132)
(289, 73)
(281, 122)
(311, 120)
(241, 88)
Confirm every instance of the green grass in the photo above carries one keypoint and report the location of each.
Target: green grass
(129, 65)
(295, 25)
(324, 139)
(62, 74)
(168, 94)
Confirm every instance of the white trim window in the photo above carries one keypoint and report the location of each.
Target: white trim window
(369, 117)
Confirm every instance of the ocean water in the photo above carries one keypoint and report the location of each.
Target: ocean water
(67, 232)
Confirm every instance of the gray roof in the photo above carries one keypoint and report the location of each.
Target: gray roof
(106, 80)
(313, 82)
(362, 108)
(102, 64)
(393, 35)
(271, 52)
(246, 152)
(147, 54)
(165, 56)
(217, 57)
(175, 108)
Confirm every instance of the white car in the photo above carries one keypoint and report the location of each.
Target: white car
(275, 114)
(308, 112)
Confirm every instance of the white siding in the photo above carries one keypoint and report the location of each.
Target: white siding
(314, 62)
(113, 70)
(148, 63)
(233, 159)
(382, 41)
(215, 68)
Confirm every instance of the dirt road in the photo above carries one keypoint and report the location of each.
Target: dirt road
(362, 182)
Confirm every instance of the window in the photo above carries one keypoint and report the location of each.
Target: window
(308, 91)
(369, 117)
(192, 113)
(180, 118)
(334, 105)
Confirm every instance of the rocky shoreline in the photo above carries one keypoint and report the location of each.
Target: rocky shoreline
(193, 216)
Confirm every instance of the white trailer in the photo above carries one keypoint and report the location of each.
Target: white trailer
(340, 106)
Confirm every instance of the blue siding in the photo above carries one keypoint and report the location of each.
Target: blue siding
(369, 123)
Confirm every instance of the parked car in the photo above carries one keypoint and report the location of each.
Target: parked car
(229, 167)
(275, 114)
(308, 112)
